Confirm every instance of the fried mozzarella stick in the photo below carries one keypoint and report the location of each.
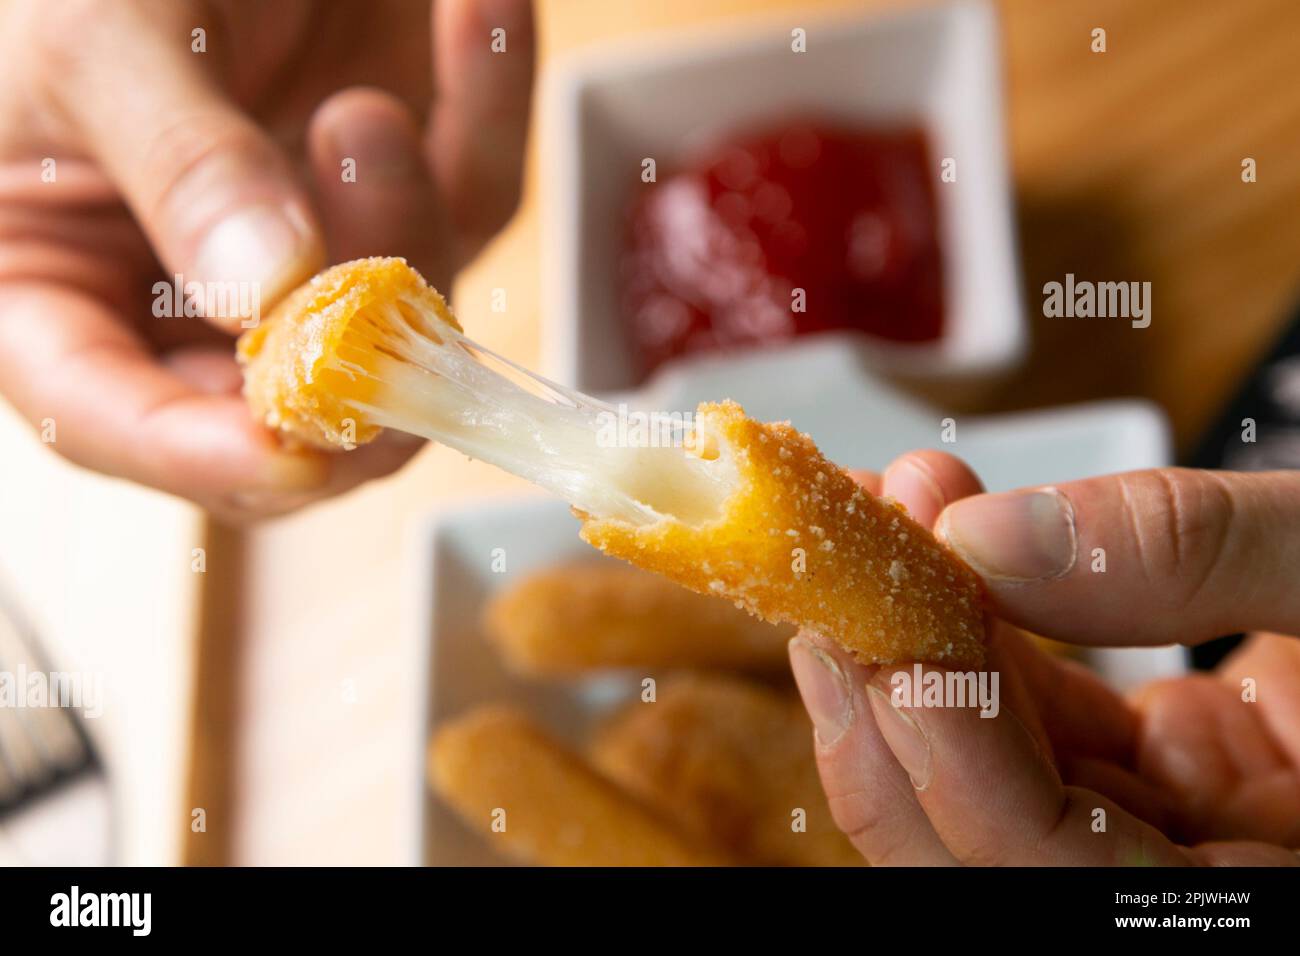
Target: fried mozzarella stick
(731, 761)
(585, 615)
(739, 509)
(541, 804)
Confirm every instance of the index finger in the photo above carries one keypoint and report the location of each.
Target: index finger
(994, 797)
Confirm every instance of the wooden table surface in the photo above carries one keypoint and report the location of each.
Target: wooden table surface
(1127, 166)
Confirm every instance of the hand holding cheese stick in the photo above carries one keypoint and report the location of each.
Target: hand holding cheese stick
(1187, 764)
(152, 145)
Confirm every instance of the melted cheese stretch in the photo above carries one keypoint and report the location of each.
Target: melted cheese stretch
(747, 510)
(399, 367)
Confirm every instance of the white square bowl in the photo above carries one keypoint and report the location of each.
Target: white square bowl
(603, 113)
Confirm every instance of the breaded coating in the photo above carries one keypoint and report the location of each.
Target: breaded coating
(285, 358)
(557, 810)
(800, 541)
(585, 615)
(729, 761)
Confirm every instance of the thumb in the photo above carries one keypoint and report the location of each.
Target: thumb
(215, 195)
(1150, 557)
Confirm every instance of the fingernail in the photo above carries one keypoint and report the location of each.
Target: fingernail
(904, 736)
(272, 247)
(824, 689)
(1014, 536)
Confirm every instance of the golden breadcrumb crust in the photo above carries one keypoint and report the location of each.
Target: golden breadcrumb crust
(727, 760)
(283, 356)
(574, 617)
(800, 541)
(558, 810)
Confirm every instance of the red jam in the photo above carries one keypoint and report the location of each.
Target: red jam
(717, 252)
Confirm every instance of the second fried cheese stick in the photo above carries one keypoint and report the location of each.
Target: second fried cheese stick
(744, 510)
(574, 617)
(542, 804)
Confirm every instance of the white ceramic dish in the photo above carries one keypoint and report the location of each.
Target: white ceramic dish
(452, 553)
(602, 113)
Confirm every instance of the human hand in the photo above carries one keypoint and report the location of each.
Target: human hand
(226, 166)
(1188, 771)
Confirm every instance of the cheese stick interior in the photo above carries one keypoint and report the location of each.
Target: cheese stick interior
(541, 804)
(731, 761)
(739, 509)
(585, 615)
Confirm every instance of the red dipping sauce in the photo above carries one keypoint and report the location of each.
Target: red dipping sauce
(716, 251)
